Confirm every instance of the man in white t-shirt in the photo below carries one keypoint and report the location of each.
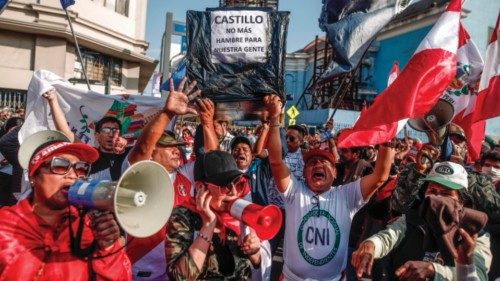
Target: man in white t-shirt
(318, 216)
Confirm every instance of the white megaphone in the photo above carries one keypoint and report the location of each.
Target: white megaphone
(266, 221)
(142, 199)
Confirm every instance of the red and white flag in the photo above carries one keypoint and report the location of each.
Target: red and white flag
(393, 73)
(489, 86)
(416, 89)
(462, 92)
(483, 103)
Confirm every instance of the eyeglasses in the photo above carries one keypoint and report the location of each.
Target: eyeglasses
(315, 202)
(61, 166)
(239, 184)
(291, 138)
(108, 130)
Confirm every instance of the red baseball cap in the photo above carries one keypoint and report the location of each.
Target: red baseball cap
(83, 151)
(318, 152)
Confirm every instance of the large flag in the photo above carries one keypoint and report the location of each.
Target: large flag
(66, 3)
(351, 27)
(462, 92)
(483, 102)
(83, 108)
(489, 88)
(416, 89)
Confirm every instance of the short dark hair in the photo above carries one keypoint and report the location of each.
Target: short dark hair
(107, 119)
(297, 128)
(492, 156)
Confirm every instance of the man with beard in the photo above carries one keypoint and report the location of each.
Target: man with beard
(111, 146)
(421, 243)
(112, 150)
(318, 215)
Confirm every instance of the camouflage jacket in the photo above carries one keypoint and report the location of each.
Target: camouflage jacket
(480, 195)
(223, 261)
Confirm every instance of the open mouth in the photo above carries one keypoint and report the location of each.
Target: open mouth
(65, 190)
(241, 158)
(318, 175)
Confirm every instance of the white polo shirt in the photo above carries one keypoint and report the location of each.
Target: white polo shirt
(315, 245)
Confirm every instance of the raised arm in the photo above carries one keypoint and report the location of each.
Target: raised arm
(370, 183)
(176, 104)
(58, 115)
(280, 171)
(258, 149)
(207, 112)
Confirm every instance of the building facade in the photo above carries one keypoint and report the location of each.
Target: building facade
(35, 34)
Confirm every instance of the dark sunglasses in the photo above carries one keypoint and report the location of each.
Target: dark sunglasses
(239, 184)
(108, 130)
(291, 138)
(61, 166)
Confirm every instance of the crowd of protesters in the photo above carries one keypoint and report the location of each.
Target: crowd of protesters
(403, 210)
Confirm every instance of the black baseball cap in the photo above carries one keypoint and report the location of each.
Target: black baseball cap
(216, 167)
(240, 139)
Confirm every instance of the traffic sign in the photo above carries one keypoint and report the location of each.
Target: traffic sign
(179, 28)
(293, 112)
(291, 122)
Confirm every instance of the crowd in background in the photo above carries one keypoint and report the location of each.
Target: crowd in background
(398, 225)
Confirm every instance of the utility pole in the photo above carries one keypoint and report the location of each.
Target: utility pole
(167, 42)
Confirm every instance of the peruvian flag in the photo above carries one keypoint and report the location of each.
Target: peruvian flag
(482, 105)
(393, 73)
(462, 92)
(416, 89)
(489, 86)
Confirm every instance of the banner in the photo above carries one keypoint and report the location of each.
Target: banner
(237, 56)
(83, 108)
(239, 36)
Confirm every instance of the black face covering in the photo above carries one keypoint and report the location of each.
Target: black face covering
(444, 216)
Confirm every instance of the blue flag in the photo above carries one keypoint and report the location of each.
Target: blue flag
(177, 76)
(3, 4)
(351, 27)
(66, 3)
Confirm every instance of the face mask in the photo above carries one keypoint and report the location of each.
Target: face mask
(492, 172)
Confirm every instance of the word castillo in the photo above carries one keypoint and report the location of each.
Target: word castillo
(238, 19)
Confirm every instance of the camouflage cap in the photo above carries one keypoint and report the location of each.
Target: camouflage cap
(168, 139)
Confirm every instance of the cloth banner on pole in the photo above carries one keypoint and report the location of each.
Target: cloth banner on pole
(83, 108)
(351, 27)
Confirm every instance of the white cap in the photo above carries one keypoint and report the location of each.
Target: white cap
(448, 174)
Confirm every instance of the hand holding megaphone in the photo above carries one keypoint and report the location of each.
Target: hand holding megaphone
(105, 228)
(142, 199)
(266, 221)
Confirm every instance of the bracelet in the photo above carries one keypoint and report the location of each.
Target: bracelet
(275, 125)
(204, 237)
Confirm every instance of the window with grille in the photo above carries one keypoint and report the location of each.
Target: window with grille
(99, 67)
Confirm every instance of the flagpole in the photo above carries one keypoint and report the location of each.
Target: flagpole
(349, 76)
(77, 49)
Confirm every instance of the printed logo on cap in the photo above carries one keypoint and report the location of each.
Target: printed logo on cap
(444, 170)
